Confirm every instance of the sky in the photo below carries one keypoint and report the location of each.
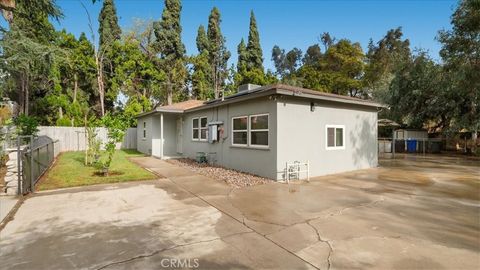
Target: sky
(286, 23)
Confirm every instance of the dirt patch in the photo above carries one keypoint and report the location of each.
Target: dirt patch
(233, 178)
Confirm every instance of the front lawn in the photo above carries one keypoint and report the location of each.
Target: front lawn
(70, 171)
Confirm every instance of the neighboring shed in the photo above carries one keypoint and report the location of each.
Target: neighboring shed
(414, 134)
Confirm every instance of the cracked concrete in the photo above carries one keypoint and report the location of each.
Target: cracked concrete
(412, 213)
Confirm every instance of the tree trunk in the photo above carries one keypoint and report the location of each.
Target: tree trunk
(214, 73)
(101, 93)
(60, 112)
(21, 96)
(27, 96)
(169, 93)
(75, 87)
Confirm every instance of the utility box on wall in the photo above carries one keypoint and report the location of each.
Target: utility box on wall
(215, 131)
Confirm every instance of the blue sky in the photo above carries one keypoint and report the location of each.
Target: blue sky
(287, 23)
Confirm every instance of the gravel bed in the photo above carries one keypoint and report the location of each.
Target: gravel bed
(233, 178)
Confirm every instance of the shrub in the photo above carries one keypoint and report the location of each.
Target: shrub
(26, 125)
(116, 126)
(64, 122)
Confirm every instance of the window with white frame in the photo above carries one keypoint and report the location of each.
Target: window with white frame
(199, 129)
(250, 131)
(144, 130)
(240, 130)
(335, 137)
(259, 130)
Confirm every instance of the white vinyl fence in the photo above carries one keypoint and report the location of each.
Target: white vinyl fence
(73, 138)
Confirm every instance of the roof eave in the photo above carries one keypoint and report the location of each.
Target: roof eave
(327, 98)
(252, 95)
(158, 110)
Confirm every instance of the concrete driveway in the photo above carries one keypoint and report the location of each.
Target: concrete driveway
(412, 213)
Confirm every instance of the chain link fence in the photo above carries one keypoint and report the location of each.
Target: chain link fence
(34, 160)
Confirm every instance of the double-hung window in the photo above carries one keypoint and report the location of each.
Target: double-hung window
(335, 135)
(259, 130)
(250, 131)
(199, 129)
(240, 131)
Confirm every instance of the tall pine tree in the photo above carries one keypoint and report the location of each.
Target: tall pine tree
(218, 53)
(202, 39)
(242, 56)
(250, 59)
(254, 51)
(201, 76)
(170, 48)
(109, 32)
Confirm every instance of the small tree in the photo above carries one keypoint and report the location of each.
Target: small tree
(26, 125)
(116, 127)
(92, 153)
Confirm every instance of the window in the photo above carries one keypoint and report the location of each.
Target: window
(144, 130)
(250, 131)
(199, 129)
(335, 137)
(203, 129)
(239, 130)
(259, 130)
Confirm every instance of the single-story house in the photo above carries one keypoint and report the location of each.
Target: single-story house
(260, 129)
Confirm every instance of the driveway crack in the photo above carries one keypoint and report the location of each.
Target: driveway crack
(340, 212)
(330, 251)
(241, 221)
(143, 256)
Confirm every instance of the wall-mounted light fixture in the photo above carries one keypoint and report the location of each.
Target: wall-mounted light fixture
(312, 106)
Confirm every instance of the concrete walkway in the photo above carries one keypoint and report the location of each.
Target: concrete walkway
(422, 214)
(7, 203)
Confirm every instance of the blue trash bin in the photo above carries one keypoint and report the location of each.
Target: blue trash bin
(411, 146)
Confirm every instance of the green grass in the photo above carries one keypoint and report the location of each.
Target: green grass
(70, 171)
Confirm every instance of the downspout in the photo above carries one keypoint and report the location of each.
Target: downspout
(161, 136)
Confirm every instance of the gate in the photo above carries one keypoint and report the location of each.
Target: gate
(34, 159)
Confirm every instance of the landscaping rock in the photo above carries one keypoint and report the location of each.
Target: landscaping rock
(11, 191)
(233, 178)
(12, 184)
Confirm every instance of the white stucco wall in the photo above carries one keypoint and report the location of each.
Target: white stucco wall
(151, 145)
(301, 136)
(144, 145)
